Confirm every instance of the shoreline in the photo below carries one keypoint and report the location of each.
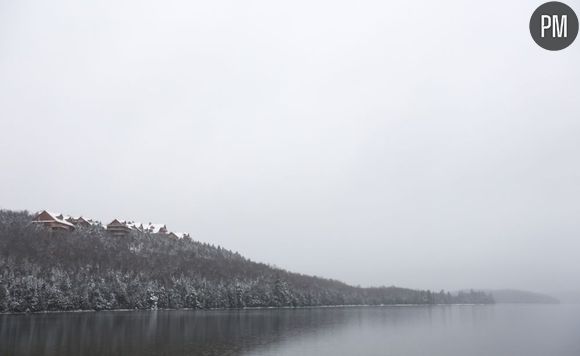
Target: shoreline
(247, 308)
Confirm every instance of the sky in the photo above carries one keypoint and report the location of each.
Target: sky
(419, 144)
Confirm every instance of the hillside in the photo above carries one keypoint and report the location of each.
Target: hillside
(91, 269)
(520, 296)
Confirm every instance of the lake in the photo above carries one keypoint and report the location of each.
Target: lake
(511, 330)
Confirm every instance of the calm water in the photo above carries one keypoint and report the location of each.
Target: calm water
(514, 330)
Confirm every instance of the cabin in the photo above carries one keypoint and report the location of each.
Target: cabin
(156, 229)
(179, 235)
(122, 227)
(55, 222)
(118, 228)
(80, 221)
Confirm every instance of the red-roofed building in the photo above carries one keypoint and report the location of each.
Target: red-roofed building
(53, 221)
(118, 227)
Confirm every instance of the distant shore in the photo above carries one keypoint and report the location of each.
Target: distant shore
(249, 308)
(93, 268)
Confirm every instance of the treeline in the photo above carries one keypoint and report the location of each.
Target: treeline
(87, 269)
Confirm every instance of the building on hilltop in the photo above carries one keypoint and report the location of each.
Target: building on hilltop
(118, 227)
(123, 227)
(78, 222)
(55, 222)
(156, 229)
(179, 235)
(81, 222)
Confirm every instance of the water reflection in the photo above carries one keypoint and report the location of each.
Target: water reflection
(156, 332)
(467, 330)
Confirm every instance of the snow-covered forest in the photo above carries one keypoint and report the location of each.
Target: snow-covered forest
(89, 269)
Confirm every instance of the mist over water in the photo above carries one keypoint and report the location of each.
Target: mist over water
(499, 330)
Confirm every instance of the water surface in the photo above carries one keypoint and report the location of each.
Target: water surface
(514, 330)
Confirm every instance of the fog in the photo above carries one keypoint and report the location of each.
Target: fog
(423, 144)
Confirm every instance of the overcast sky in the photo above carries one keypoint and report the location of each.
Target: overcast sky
(422, 144)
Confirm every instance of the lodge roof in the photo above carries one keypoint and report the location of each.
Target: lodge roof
(46, 216)
(152, 228)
